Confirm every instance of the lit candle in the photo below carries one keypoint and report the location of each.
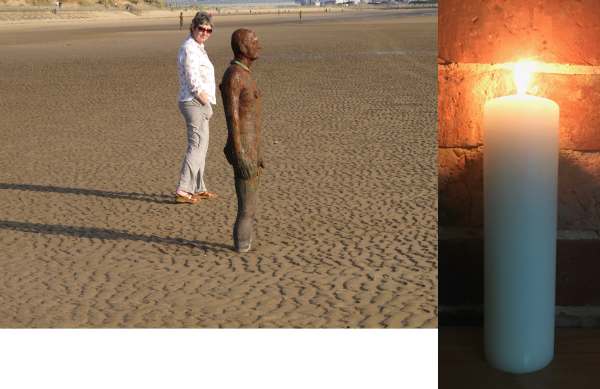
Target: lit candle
(520, 201)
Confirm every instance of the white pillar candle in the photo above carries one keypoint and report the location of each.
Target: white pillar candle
(520, 203)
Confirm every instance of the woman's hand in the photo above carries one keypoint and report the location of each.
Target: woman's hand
(202, 97)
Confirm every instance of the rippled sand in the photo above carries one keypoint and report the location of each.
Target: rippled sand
(91, 147)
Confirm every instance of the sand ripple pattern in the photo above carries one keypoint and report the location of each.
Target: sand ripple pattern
(92, 142)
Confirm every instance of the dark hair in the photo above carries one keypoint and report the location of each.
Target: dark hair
(201, 18)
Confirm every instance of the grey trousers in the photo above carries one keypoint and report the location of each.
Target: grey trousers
(196, 117)
(247, 199)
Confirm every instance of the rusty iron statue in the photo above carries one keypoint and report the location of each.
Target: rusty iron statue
(242, 104)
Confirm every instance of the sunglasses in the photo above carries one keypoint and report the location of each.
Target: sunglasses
(205, 29)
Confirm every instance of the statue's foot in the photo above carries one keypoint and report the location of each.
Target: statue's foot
(243, 248)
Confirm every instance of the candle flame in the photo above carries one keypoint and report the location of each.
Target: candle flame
(523, 72)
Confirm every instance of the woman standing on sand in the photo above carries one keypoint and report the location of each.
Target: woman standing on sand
(196, 94)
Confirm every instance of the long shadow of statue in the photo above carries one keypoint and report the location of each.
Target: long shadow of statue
(104, 233)
(151, 198)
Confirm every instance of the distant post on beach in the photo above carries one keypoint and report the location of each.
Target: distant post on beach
(300, 16)
(180, 20)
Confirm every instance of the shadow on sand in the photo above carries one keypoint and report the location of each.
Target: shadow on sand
(103, 233)
(151, 198)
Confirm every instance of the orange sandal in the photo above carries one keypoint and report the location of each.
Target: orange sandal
(204, 195)
(181, 199)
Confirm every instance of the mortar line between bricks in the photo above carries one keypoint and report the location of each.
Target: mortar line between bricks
(481, 146)
(543, 67)
(447, 233)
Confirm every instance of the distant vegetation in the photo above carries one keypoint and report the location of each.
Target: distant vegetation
(422, 1)
(153, 3)
(108, 3)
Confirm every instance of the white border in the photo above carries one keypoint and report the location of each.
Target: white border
(253, 358)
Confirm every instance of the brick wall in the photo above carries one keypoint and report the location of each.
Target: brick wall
(476, 39)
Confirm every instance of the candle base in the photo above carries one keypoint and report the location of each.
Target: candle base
(519, 364)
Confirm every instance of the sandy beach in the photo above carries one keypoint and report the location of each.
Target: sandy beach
(92, 143)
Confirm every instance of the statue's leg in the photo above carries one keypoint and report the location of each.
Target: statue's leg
(247, 196)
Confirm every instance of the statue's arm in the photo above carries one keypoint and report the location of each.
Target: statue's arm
(261, 160)
(231, 89)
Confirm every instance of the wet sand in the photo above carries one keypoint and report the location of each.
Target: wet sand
(92, 142)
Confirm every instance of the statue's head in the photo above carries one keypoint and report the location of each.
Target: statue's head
(244, 44)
